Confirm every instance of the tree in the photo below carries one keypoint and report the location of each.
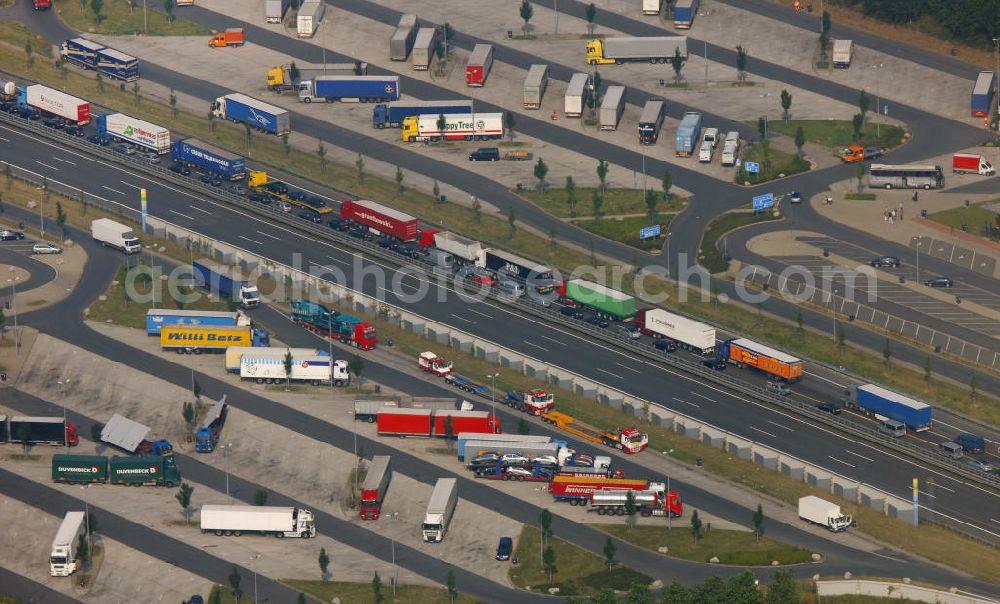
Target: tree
(83, 551)
(597, 200)
(610, 549)
(742, 589)
(216, 597)
(508, 124)
(677, 61)
(571, 196)
(511, 223)
(523, 427)
(24, 435)
(782, 589)
(99, 80)
(399, 181)
(61, 218)
(799, 319)
(168, 7)
(137, 93)
(800, 140)
(857, 123)
(597, 89)
(973, 385)
(287, 362)
(675, 593)
(786, 104)
(196, 389)
(605, 595)
(285, 145)
(377, 588)
(211, 119)
(859, 174)
(553, 244)
(825, 20)
(452, 590)
(651, 205)
(540, 171)
(695, 526)
(602, 173)
(639, 594)
(95, 431)
(741, 63)
(29, 54)
(437, 192)
(321, 154)
(549, 562)
(824, 46)
(183, 497)
(758, 522)
(887, 352)
(527, 11)
(841, 337)
(357, 366)
(260, 497)
(187, 412)
(96, 6)
(449, 37)
(358, 68)
(630, 508)
(359, 164)
(864, 103)
(762, 127)
(477, 210)
(324, 564)
(248, 134)
(545, 521)
(927, 370)
(713, 589)
(449, 431)
(293, 73)
(590, 13)
(234, 581)
(442, 125)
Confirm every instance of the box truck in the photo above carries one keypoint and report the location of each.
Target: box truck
(52, 102)
(624, 50)
(535, 84)
(262, 116)
(358, 89)
(374, 487)
(40, 431)
(138, 132)
(195, 340)
(747, 353)
(576, 95)
(62, 556)
(440, 509)
(874, 400)
(235, 520)
(689, 334)
(279, 78)
(684, 13)
(535, 275)
(612, 107)
(381, 218)
(651, 121)
(604, 301)
(199, 154)
(819, 511)
(982, 93)
(232, 36)
(109, 233)
(274, 10)
(843, 52)
(156, 318)
(309, 17)
(467, 251)
(144, 471)
(314, 369)
(402, 39)
(731, 149)
(391, 115)
(480, 63)
(226, 282)
(423, 48)
(469, 127)
(688, 134)
(971, 163)
(651, 7)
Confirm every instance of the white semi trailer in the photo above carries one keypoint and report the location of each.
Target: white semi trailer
(440, 509)
(235, 520)
(62, 559)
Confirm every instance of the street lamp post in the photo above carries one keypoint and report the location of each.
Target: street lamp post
(878, 102)
(86, 519)
(13, 305)
(66, 442)
(225, 459)
(493, 393)
(253, 561)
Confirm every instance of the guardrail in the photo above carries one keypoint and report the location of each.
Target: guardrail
(525, 304)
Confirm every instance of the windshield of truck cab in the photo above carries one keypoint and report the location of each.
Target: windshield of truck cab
(432, 527)
(58, 560)
(637, 439)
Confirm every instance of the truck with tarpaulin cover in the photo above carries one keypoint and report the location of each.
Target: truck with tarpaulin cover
(873, 400)
(199, 154)
(747, 353)
(604, 301)
(196, 340)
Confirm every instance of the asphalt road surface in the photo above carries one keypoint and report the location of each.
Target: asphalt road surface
(26, 590)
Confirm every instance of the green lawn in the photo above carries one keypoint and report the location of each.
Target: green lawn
(731, 547)
(710, 255)
(118, 19)
(837, 134)
(578, 572)
(616, 201)
(362, 593)
(773, 165)
(974, 216)
(626, 230)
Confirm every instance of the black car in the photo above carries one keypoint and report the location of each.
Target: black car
(180, 169)
(259, 198)
(829, 408)
(410, 251)
(665, 345)
(598, 322)
(939, 282)
(297, 196)
(338, 224)
(485, 154)
(362, 233)
(74, 130)
(236, 188)
(277, 187)
(210, 179)
(100, 139)
(389, 244)
(11, 235)
(30, 114)
(569, 311)
(885, 262)
(53, 122)
(316, 202)
(715, 363)
(310, 216)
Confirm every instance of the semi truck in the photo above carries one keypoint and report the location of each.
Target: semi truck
(81, 52)
(422, 52)
(403, 38)
(353, 88)
(479, 65)
(689, 334)
(500, 440)
(630, 440)
(982, 93)
(62, 556)
(279, 78)
(109, 233)
(235, 353)
(380, 218)
(538, 276)
(440, 509)
(684, 13)
(467, 251)
(336, 325)
(232, 36)
(659, 49)
(604, 301)
(843, 52)
(391, 115)
(651, 502)
(426, 423)
(747, 353)
(971, 163)
(199, 154)
(79, 469)
(106, 61)
(186, 339)
(535, 84)
(238, 107)
(207, 436)
(316, 370)
(52, 102)
(374, 487)
(428, 362)
(576, 95)
(577, 490)
(38, 431)
(651, 121)
(872, 400)
(274, 10)
(612, 107)
(468, 127)
(688, 134)
(309, 17)
(235, 520)
(156, 318)
(819, 511)
(532, 402)
(130, 471)
(138, 132)
(225, 282)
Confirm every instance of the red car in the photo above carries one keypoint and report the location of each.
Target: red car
(484, 280)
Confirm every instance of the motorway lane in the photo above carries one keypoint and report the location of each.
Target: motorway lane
(727, 412)
(26, 590)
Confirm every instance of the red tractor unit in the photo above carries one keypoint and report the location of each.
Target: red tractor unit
(433, 364)
(375, 485)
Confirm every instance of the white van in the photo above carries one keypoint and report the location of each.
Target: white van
(711, 136)
(511, 288)
(705, 153)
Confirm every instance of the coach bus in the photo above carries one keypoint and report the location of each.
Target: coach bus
(905, 177)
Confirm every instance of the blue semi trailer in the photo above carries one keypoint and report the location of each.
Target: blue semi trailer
(200, 154)
(391, 115)
(261, 116)
(107, 61)
(688, 132)
(365, 89)
(157, 318)
(874, 400)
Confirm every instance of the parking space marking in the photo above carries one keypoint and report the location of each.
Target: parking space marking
(858, 455)
(841, 461)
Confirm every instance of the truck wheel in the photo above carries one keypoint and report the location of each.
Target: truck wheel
(602, 512)
(619, 511)
(647, 513)
(307, 100)
(218, 533)
(259, 380)
(227, 533)
(279, 535)
(179, 351)
(237, 533)
(315, 382)
(371, 420)
(197, 351)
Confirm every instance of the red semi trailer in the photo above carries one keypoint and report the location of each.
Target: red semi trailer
(398, 421)
(375, 485)
(380, 218)
(480, 62)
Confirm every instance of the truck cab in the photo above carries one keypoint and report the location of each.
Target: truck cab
(595, 53)
(307, 92)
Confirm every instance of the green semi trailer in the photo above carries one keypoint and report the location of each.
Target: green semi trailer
(131, 471)
(602, 300)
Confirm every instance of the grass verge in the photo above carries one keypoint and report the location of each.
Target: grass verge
(837, 134)
(861, 196)
(973, 217)
(730, 547)
(577, 571)
(616, 202)
(118, 19)
(774, 164)
(626, 230)
(362, 593)
(710, 255)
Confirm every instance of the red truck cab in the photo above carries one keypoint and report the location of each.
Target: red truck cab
(43, 4)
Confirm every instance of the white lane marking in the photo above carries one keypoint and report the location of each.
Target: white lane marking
(858, 455)
(251, 240)
(609, 373)
(783, 427)
(534, 345)
(994, 520)
(702, 396)
(939, 486)
(47, 165)
(339, 260)
(128, 184)
(686, 402)
(4, 139)
(65, 161)
(326, 268)
(115, 190)
(554, 340)
(754, 428)
(841, 461)
(464, 319)
(272, 236)
(627, 367)
(179, 214)
(472, 310)
(200, 210)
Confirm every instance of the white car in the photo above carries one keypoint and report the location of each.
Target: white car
(514, 459)
(629, 331)
(45, 248)
(546, 460)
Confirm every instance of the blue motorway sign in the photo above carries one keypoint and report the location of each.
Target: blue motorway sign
(751, 166)
(649, 232)
(763, 202)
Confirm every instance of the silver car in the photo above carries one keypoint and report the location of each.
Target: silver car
(981, 465)
(45, 248)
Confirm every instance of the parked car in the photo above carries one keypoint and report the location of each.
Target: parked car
(629, 331)
(485, 458)
(210, 179)
(980, 464)
(885, 262)
(485, 154)
(45, 248)
(570, 311)
(179, 168)
(99, 139)
(939, 282)
(311, 216)
(715, 363)
(514, 459)
(505, 548)
(7, 235)
(362, 233)
(665, 345)
(517, 473)
(598, 322)
(832, 408)
(410, 251)
(546, 460)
